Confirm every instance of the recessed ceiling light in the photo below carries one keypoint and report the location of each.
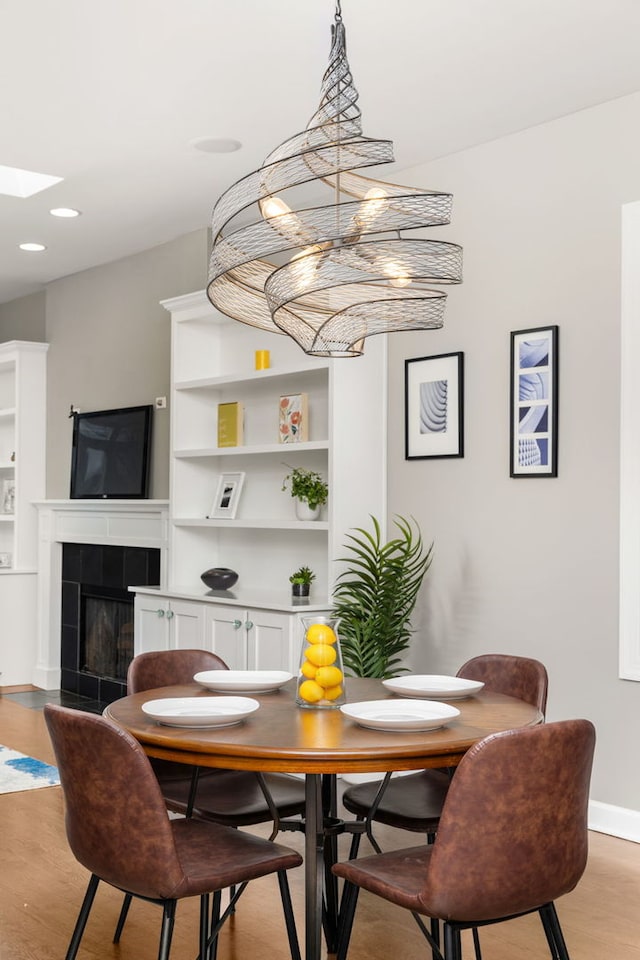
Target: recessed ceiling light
(32, 247)
(215, 145)
(64, 212)
(15, 182)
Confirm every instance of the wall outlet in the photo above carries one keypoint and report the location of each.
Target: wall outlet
(161, 403)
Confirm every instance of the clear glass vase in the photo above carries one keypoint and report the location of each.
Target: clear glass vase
(321, 683)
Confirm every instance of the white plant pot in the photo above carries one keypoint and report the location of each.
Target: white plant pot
(304, 511)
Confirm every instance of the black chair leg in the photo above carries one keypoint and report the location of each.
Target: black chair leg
(452, 943)
(215, 919)
(204, 926)
(553, 931)
(83, 916)
(287, 906)
(347, 914)
(126, 903)
(476, 943)
(168, 917)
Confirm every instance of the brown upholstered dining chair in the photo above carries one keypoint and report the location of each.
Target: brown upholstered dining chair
(118, 828)
(415, 802)
(234, 797)
(487, 863)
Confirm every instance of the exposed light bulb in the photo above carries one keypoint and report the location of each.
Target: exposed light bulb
(396, 274)
(32, 247)
(273, 207)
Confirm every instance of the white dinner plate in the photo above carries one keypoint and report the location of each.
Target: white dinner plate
(433, 687)
(200, 711)
(260, 681)
(400, 714)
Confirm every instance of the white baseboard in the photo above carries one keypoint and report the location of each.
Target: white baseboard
(45, 678)
(616, 821)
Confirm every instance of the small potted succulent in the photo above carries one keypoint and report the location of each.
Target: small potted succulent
(309, 491)
(301, 581)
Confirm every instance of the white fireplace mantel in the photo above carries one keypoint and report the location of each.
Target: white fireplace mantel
(128, 523)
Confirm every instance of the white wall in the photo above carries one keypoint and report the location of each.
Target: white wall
(110, 346)
(530, 566)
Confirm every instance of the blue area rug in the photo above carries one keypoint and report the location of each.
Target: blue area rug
(18, 772)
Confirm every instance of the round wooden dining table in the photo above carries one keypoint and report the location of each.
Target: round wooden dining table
(285, 738)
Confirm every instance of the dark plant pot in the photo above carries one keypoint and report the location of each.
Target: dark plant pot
(219, 578)
(300, 589)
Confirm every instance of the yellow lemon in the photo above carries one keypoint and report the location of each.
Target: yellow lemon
(321, 654)
(320, 633)
(308, 670)
(328, 676)
(332, 693)
(310, 691)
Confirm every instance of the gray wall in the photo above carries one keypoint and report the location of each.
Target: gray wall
(530, 566)
(24, 319)
(110, 346)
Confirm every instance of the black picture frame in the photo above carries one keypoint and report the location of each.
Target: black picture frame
(533, 447)
(434, 407)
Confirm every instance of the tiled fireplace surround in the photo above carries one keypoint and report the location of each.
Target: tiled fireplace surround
(97, 615)
(118, 543)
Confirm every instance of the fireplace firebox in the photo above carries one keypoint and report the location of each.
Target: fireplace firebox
(97, 615)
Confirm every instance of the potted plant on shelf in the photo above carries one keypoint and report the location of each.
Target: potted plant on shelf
(301, 581)
(309, 491)
(375, 596)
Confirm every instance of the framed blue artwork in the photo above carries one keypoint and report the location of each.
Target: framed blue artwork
(534, 402)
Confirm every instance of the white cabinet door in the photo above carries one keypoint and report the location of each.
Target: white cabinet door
(151, 627)
(162, 624)
(186, 625)
(225, 634)
(271, 640)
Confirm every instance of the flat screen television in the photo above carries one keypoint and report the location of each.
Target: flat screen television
(111, 454)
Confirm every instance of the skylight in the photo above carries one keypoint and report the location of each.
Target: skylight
(24, 183)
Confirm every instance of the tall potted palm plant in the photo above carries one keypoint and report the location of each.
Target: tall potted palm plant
(375, 597)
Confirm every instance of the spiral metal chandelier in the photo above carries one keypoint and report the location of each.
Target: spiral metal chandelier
(329, 276)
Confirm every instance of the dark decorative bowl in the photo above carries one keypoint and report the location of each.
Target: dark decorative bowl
(219, 578)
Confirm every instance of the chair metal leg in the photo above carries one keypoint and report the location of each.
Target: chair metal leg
(204, 926)
(289, 919)
(347, 914)
(126, 903)
(553, 932)
(452, 943)
(168, 917)
(215, 919)
(476, 943)
(83, 916)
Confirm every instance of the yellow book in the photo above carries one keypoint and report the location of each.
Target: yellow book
(230, 424)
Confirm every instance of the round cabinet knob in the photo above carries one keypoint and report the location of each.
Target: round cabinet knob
(248, 625)
(160, 613)
(237, 624)
(169, 614)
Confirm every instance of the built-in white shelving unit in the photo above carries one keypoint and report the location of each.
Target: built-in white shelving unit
(212, 363)
(22, 480)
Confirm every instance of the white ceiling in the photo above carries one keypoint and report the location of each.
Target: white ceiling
(109, 93)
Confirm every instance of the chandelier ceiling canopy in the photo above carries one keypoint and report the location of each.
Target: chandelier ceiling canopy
(329, 276)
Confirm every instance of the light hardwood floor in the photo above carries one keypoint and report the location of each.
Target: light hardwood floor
(41, 887)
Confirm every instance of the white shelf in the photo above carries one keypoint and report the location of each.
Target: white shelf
(253, 449)
(7, 412)
(7, 517)
(257, 523)
(250, 378)
(7, 465)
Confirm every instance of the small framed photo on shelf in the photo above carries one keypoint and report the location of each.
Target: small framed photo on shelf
(8, 501)
(433, 407)
(227, 496)
(293, 422)
(534, 402)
